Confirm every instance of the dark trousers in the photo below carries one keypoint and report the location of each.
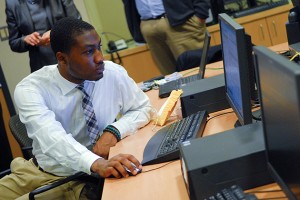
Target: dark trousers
(191, 59)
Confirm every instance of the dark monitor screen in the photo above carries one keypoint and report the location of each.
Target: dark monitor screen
(238, 68)
(279, 88)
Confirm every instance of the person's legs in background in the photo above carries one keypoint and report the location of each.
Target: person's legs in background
(186, 37)
(188, 60)
(166, 43)
(155, 36)
(192, 58)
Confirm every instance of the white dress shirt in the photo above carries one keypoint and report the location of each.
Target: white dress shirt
(51, 108)
(149, 8)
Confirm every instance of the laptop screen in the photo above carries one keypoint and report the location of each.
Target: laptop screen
(204, 56)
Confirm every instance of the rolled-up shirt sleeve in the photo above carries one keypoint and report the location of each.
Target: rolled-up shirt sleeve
(136, 112)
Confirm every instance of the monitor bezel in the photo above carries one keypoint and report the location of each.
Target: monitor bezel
(264, 73)
(243, 60)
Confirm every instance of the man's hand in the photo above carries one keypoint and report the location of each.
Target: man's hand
(201, 20)
(104, 143)
(115, 166)
(33, 39)
(45, 40)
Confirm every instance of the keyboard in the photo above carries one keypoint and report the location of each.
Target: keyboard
(164, 145)
(234, 192)
(259, 8)
(166, 89)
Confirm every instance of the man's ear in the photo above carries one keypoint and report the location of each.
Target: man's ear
(62, 58)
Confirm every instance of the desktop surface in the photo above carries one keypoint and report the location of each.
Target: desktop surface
(149, 184)
(167, 182)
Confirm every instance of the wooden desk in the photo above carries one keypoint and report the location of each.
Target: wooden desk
(150, 184)
(165, 182)
(138, 62)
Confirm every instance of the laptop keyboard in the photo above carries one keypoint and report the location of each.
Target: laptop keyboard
(188, 79)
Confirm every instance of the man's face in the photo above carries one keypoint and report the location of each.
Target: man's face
(85, 60)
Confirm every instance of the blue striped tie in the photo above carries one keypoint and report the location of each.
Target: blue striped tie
(89, 114)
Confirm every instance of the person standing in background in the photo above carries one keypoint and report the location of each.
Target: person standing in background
(133, 20)
(171, 27)
(29, 24)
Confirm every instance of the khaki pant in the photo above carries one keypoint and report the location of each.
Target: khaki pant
(166, 43)
(25, 177)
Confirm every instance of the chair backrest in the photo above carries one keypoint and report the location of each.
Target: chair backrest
(19, 131)
(5, 152)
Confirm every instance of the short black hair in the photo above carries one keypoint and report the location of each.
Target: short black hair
(64, 31)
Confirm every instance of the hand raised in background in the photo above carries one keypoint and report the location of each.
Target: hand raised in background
(33, 39)
(45, 40)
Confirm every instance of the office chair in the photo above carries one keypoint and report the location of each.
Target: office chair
(5, 151)
(4, 173)
(19, 131)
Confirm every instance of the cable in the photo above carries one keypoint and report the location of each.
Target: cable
(113, 59)
(297, 54)
(219, 115)
(189, 72)
(111, 33)
(159, 167)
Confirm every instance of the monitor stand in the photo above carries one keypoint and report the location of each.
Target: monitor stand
(256, 116)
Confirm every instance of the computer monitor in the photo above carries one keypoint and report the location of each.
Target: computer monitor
(296, 2)
(279, 89)
(238, 68)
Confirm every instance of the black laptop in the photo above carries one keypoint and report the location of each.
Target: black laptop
(166, 89)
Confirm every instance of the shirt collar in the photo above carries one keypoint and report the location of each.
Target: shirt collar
(65, 85)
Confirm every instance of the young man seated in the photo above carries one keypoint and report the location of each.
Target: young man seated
(69, 111)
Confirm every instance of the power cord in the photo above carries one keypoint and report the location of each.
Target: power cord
(159, 167)
(120, 62)
(295, 56)
(209, 118)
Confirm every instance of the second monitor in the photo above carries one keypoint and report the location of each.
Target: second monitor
(236, 86)
(238, 64)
